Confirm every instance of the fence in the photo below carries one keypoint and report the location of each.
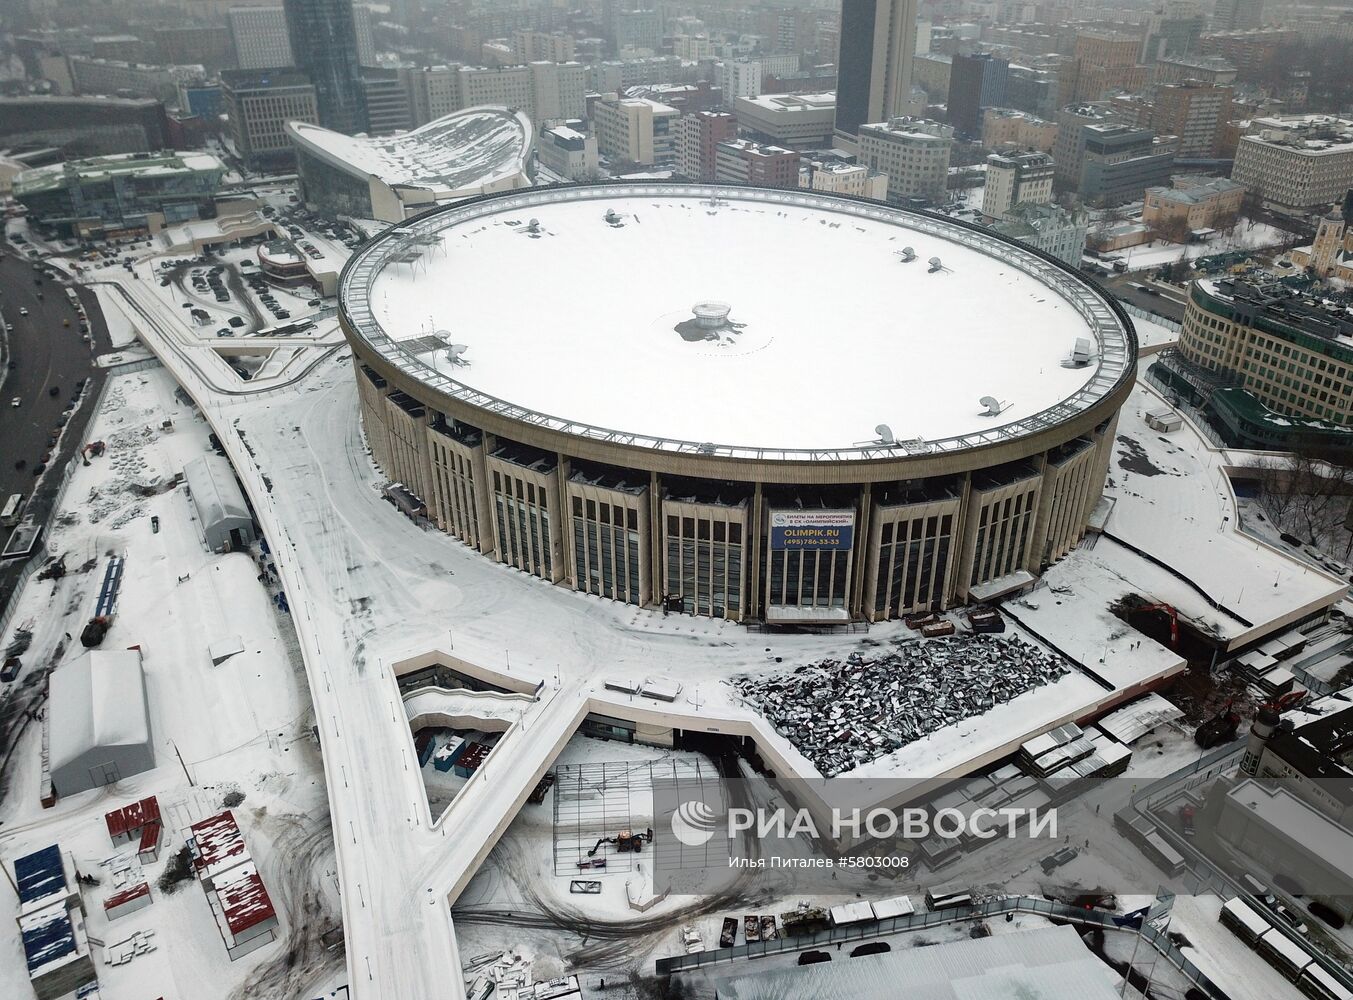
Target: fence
(1146, 314)
(1158, 940)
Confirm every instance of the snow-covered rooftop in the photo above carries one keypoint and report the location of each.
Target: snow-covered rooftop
(462, 150)
(97, 700)
(830, 333)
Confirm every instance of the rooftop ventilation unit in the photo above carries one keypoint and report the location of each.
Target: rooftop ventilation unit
(906, 254)
(993, 406)
(885, 434)
(455, 353)
(612, 218)
(1081, 353)
(936, 265)
(533, 226)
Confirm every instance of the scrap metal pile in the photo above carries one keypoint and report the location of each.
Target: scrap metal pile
(843, 714)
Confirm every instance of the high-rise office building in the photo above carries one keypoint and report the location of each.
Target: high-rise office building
(698, 137)
(261, 37)
(1195, 112)
(324, 45)
(976, 82)
(878, 40)
(1238, 15)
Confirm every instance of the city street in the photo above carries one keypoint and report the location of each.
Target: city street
(45, 353)
(1169, 304)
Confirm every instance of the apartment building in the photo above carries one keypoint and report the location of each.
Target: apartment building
(1296, 164)
(913, 153)
(741, 161)
(1016, 179)
(698, 136)
(635, 130)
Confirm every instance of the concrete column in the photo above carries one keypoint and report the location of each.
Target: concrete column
(752, 582)
(863, 553)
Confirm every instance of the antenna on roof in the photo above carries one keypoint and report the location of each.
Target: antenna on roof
(993, 406)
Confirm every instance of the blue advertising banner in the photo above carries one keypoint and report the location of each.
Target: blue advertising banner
(811, 529)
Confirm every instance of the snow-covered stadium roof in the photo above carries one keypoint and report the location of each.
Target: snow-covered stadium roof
(97, 700)
(461, 152)
(576, 307)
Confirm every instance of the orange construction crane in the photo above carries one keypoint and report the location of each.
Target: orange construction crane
(1174, 619)
(1283, 702)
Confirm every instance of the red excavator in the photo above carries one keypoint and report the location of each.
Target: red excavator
(1174, 620)
(1219, 729)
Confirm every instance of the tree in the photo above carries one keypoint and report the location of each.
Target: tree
(1307, 493)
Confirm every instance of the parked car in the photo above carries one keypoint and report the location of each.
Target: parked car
(15, 402)
(23, 310)
(11, 669)
(1325, 913)
(1290, 917)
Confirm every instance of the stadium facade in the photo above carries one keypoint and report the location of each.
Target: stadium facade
(921, 413)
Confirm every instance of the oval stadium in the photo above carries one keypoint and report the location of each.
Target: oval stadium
(762, 405)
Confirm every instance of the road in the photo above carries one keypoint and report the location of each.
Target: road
(45, 353)
(1169, 304)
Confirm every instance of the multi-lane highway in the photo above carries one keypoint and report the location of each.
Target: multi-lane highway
(45, 353)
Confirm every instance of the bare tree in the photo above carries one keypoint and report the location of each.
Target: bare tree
(1307, 493)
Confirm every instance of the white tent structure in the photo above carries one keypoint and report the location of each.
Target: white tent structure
(98, 721)
(226, 521)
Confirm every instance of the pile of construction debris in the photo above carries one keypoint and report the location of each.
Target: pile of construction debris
(843, 714)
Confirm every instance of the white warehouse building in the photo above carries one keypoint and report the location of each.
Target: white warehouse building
(98, 721)
(225, 518)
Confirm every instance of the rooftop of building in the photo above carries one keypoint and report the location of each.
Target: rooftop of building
(263, 79)
(100, 168)
(462, 150)
(1050, 963)
(910, 127)
(1021, 158)
(1310, 134)
(1195, 61)
(456, 273)
(46, 101)
(1271, 302)
(1195, 190)
(1015, 113)
(782, 103)
(755, 148)
(635, 102)
(1321, 748)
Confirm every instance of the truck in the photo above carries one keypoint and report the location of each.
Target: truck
(95, 629)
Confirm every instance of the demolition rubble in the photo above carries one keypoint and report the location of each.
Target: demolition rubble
(843, 714)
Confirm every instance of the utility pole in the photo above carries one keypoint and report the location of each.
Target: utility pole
(186, 773)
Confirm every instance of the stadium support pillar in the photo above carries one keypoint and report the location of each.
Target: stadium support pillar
(751, 580)
(862, 553)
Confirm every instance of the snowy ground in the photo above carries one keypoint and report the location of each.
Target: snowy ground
(1173, 501)
(1248, 235)
(241, 725)
(368, 588)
